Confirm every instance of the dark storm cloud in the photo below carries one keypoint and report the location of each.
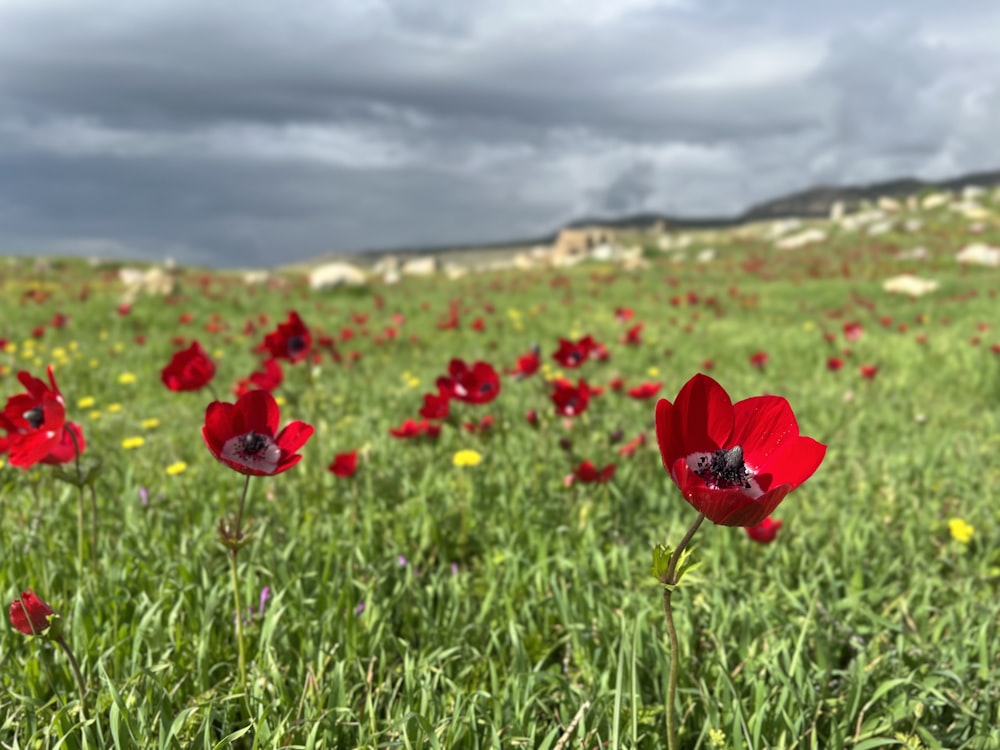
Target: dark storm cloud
(253, 134)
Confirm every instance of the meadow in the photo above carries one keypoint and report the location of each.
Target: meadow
(430, 600)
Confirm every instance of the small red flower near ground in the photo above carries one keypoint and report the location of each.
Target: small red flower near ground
(410, 428)
(766, 531)
(834, 363)
(572, 354)
(189, 370)
(245, 436)
(586, 472)
(868, 371)
(344, 464)
(758, 359)
(734, 463)
(290, 341)
(633, 336)
(436, 406)
(30, 614)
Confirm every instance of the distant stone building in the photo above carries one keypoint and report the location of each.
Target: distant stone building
(576, 244)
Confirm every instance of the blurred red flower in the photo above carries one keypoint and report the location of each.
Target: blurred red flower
(570, 400)
(868, 371)
(633, 336)
(30, 614)
(245, 436)
(527, 364)
(758, 359)
(291, 340)
(189, 370)
(436, 405)
(644, 390)
(733, 462)
(344, 464)
(572, 354)
(834, 363)
(765, 532)
(586, 472)
(478, 384)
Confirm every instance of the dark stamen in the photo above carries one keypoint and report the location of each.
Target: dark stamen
(253, 444)
(295, 345)
(725, 468)
(35, 417)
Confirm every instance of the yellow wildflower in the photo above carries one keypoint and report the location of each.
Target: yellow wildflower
(133, 442)
(119, 347)
(176, 468)
(960, 530)
(149, 424)
(466, 458)
(126, 378)
(95, 414)
(85, 403)
(653, 372)
(114, 408)
(279, 400)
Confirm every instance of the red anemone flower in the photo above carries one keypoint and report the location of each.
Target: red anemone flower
(633, 336)
(868, 371)
(410, 428)
(834, 363)
(189, 370)
(344, 464)
(290, 341)
(245, 436)
(478, 384)
(586, 472)
(645, 390)
(765, 532)
(733, 462)
(30, 614)
(527, 364)
(572, 354)
(436, 405)
(758, 359)
(36, 427)
(570, 400)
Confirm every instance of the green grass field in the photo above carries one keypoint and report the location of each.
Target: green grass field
(422, 604)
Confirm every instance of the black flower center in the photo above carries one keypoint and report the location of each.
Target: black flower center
(253, 444)
(486, 387)
(35, 417)
(724, 468)
(296, 344)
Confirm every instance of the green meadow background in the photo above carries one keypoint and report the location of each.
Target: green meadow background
(419, 604)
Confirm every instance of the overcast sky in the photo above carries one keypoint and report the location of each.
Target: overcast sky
(258, 132)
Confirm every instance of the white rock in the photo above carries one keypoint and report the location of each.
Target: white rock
(256, 277)
(706, 256)
(916, 253)
(801, 239)
(889, 205)
(454, 271)
(973, 192)
(882, 227)
(978, 254)
(332, 275)
(782, 227)
(420, 266)
(913, 225)
(837, 210)
(935, 200)
(909, 284)
(853, 222)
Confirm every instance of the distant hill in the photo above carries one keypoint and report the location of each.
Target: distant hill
(813, 203)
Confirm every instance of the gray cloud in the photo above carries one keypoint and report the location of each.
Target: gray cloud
(264, 134)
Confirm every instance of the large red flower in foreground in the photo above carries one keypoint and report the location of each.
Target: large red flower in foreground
(189, 370)
(36, 426)
(733, 462)
(245, 436)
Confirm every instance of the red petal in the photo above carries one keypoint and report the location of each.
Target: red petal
(664, 433)
(257, 411)
(726, 507)
(702, 416)
(294, 436)
(218, 425)
(794, 461)
(763, 425)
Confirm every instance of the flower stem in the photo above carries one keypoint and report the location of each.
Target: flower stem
(233, 553)
(80, 504)
(74, 665)
(669, 582)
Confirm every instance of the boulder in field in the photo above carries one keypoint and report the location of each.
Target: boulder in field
(332, 275)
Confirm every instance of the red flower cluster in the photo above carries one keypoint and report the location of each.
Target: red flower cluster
(733, 462)
(478, 384)
(572, 354)
(245, 436)
(36, 426)
(411, 428)
(587, 472)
